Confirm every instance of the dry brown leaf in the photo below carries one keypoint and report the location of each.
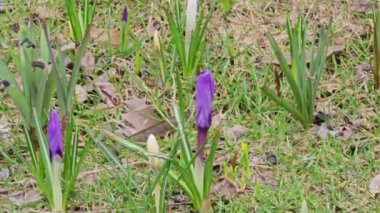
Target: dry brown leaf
(81, 93)
(235, 132)
(69, 46)
(2, 6)
(66, 60)
(217, 119)
(88, 62)
(363, 70)
(89, 177)
(43, 13)
(226, 188)
(374, 185)
(281, 20)
(361, 6)
(105, 36)
(22, 198)
(3, 191)
(345, 132)
(108, 92)
(159, 130)
(262, 172)
(342, 133)
(324, 131)
(4, 128)
(4, 173)
(139, 121)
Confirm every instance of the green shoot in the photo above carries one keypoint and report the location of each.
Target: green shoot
(190, 51)
(303, 78)
(79, 18)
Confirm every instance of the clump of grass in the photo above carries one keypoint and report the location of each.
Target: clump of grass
(189, 47)
(38, 83)
(80, 17)
(303, 77)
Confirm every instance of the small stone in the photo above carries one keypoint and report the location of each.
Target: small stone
(271, 158)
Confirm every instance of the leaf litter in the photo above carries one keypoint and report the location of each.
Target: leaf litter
(374, 185)
(105, 36)
(235, 132)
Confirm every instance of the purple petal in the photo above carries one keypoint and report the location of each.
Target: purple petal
(205, 90)
(54, 133)
(125, 15)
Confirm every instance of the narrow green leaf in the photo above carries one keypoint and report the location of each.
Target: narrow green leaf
(111, 157)
(6, 74)
(44, 150)
(21, 103)
(294, 111)
(286, 70)
(30, 148)
(74, 19)
(209, 165)
(75, 72)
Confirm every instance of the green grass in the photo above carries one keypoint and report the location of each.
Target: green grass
(324, 172)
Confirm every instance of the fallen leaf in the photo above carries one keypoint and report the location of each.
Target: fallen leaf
(217, 119)
(4, 191)
(81, 93)
(89, 177)
(67, 62)
(22, 198)
(140, 121)
(2, 6)
(88, 62)
(108, 92)
(159, 130)
(4, 173)
(43, 13)
(69, 46)
(361, 6)
(363, 70)
(374, 185)
(4, 128)
(235, 132)
(106, 36)
(15, 27)
(281, 20)
(140, 115)
(324, 131)
(343, 133)
(226, 188)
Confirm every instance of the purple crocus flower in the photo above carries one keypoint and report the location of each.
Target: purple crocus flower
(54, 133)
(124, 18)
(205, 90)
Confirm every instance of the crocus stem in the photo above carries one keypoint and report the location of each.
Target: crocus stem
(56, 183)
(124, 37)
(157, 194)
(202, 135)
(199, 175)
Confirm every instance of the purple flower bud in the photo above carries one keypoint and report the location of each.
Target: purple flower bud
(125, 15)
(205, 90)
(54, 133)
